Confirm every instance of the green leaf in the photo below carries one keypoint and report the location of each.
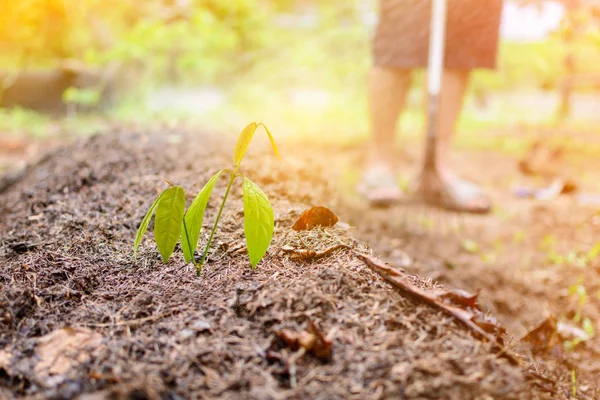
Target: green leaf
(144, 225)
(167, 224)
(271, 139)
(244, 141)
(259, 221)
(194, 217)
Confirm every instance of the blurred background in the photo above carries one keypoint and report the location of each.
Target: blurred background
(70, 67)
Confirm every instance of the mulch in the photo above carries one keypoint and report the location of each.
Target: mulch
(67, 234)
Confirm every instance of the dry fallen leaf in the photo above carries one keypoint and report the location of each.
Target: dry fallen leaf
(299, 254)
(467, 303)
(312, 340)
(461, 298)
(490, 325)
(63, 349)
(304, 254)
(323, 346)
(544, 336)
(549, 336)
(316, 216)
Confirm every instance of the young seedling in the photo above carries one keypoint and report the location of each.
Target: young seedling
(171, 223)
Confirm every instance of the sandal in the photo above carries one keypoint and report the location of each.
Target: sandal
(379, 187)
(464, 196)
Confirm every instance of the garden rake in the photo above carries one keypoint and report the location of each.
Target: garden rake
(430, 189)
(430, 186)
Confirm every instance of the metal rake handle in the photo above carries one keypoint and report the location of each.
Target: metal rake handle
(435, 69)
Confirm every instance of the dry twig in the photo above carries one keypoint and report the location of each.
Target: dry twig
(304, 254)
(400, 281)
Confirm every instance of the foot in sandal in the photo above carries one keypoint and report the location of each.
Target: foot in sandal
(462, 196)
(379, 186)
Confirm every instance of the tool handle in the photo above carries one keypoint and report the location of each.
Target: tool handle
(435, 68)
(437, 34)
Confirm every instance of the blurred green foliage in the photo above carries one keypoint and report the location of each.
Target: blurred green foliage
(286, 41)
(312, 57)
(204, 39)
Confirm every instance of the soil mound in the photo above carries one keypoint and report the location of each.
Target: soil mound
(146, 329)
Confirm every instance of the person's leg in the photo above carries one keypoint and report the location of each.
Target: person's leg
(387, 89)
(454, 86)
(464, 196)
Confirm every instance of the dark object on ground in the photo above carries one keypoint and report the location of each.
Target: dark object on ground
(43, 90)
(550, 163)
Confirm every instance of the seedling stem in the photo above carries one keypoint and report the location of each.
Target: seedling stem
(232, 176)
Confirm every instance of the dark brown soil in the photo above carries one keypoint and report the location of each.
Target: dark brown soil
(67, 232)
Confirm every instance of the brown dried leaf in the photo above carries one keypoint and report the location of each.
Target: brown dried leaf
(290, 338)
(323, 346)
(312, 340)
(461, 298)
(316, 216)
(61, 350)
(304, 254)
(490, 325)
(543, 336)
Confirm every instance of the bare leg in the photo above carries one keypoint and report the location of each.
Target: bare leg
(464, 196)
(387, 94)
(454, 85)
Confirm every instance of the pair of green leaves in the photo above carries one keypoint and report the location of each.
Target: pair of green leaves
(171, 223)
(244, 141)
